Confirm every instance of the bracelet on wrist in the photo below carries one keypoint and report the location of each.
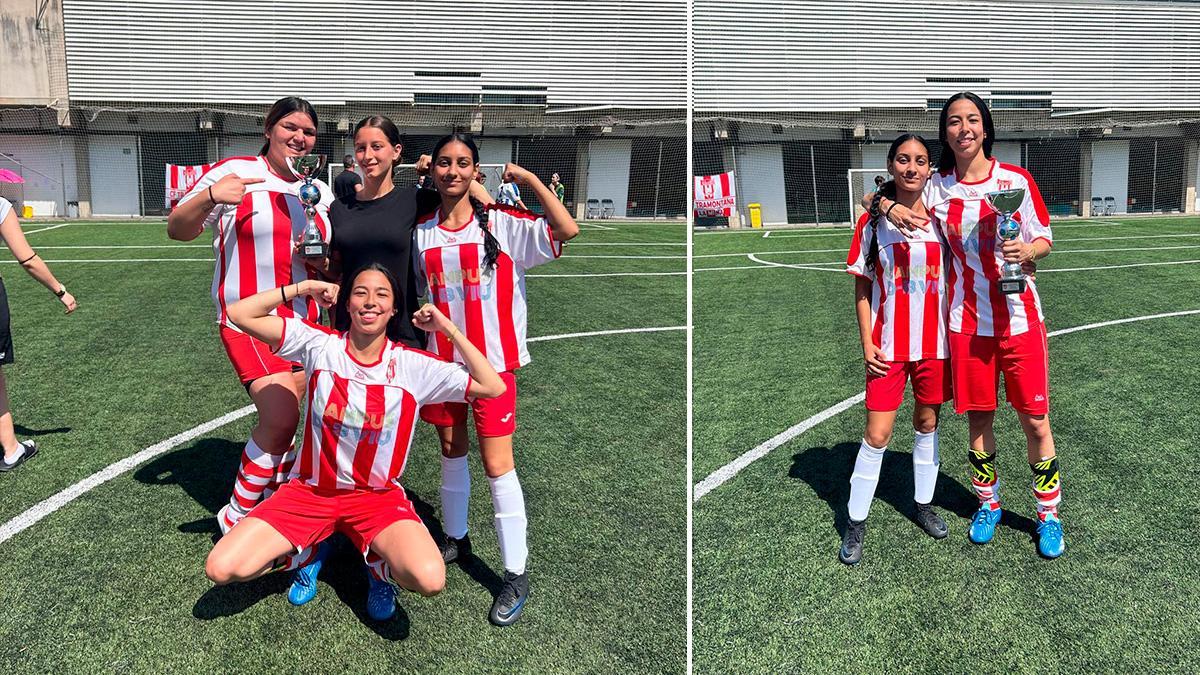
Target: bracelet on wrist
(62, 290)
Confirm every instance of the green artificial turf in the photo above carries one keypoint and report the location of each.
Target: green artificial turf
(114, 580)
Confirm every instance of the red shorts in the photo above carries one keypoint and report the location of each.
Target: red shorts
(252, 358)
(305, 515)
(977, 362)
(930, 384)
(493, 416)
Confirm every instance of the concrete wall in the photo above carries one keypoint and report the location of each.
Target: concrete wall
(33, 65)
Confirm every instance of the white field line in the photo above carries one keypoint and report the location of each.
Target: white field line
(38, 511)
(794, 267)
(606, 274)
(768, 265)
(598, 227)
(47, 229)
(118, 260)
(723, 474)
(208, 246)
(766, 234)
(572, 244)
(843, 250)
(629, 257)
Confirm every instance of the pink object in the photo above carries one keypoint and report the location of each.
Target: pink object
(8, 176)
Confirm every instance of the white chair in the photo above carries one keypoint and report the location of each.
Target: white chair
(607, 209)
(1097, 206)
(1110, 205)
(593, 208)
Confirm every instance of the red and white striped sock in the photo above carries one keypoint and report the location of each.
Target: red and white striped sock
(282, 473)
(257, 469)
(377, 567)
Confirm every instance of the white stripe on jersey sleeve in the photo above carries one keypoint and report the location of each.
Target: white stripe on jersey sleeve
(527, 240)
(432, 380)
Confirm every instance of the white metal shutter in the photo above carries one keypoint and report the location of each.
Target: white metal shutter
(608, 172)
(1110, 172)
(760, 179)
(113, 161)
(593, 52)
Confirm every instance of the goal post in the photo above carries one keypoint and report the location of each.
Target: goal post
(860, 182)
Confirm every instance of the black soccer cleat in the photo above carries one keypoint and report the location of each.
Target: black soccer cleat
(455, 550)
(852, 542)
(931, 522)
(29, 452)
(507, 606)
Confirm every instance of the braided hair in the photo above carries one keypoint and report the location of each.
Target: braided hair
(491, 246)
(888, 189)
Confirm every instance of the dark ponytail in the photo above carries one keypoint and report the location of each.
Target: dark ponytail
(281, 109)
(491, 247)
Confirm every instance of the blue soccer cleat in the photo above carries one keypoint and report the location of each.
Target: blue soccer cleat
(381, 599)
(1050, 538)
(304, 580)
(983, 525)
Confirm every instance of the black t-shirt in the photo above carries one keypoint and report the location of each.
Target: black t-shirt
(343, 185)
(381, 231)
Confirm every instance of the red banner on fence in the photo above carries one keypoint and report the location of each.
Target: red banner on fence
(714, 195)
(180, 179)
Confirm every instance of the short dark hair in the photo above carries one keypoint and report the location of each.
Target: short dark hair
(348, 161)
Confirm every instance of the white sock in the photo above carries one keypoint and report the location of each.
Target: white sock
(456, 492)
(255, 472)
(926, 459)
(16, 455)
(509, 505)
(864, 479)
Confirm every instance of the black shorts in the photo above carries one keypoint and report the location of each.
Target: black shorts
(6, 345)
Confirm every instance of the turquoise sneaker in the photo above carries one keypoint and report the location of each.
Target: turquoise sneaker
(1050, 538)
(983, 525)
(304, 580)
(381, 599)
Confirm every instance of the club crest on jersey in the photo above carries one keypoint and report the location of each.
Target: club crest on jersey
(1003, 184)
(391, 369)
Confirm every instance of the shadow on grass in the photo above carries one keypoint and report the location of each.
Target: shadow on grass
(827, 471)
(23, 430)
(205, 471)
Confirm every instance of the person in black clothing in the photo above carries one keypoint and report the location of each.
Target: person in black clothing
(375, 224)
(347, 182)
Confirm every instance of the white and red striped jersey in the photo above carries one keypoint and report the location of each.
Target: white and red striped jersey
(360, 417)
(254, 241)
(908, 289)
(487, 305)
(977, 307)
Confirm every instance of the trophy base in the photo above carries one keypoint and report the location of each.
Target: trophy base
(314, 251)
(1012, 286)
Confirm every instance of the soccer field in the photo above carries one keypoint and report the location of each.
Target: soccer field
(113, 579)
(778, 371)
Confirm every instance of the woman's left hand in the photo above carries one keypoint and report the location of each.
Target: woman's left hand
(1017, 251)
(68, 301)
(430, 319)
(521, 176)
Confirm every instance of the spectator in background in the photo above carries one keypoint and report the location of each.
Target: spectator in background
(347, 182)
(558, 188)
(509, 193)
(16, 452)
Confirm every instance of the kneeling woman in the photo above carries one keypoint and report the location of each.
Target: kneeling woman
(364, 392)
(900, 299)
